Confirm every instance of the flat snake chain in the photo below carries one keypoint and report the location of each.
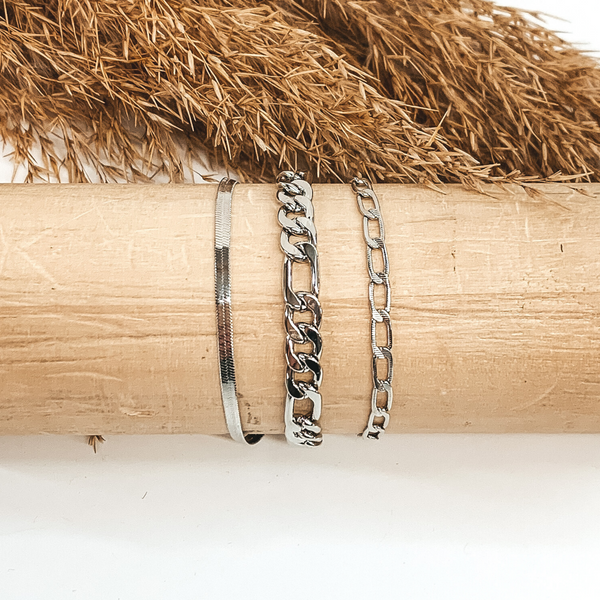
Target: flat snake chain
(224, 313)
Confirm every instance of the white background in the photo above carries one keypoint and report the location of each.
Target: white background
(415, 516)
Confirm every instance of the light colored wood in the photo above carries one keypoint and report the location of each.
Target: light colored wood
(107, 318)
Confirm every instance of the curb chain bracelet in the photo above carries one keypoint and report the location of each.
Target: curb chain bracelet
(380, 316)
(303, 371)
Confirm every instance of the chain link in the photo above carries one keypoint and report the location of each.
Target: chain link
(303, 372)
(382, 394)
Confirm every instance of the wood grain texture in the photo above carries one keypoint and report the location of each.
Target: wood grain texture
(107, 319)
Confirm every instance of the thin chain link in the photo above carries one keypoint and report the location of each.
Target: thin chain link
(380, 315)
(303, 372)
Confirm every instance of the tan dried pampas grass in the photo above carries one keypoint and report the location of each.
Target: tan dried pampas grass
(94, 441)
(431, 92)
(511, 91)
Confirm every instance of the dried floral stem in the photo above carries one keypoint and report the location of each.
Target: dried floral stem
(433, 91)
(94, 441)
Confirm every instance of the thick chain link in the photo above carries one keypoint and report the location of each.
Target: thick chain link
(303, 372)
(380, 315)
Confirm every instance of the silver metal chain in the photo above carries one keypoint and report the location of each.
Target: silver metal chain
(380, 315)
(303, 372)
(224, 314)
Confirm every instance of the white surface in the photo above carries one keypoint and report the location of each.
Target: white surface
(193, 517)
(576, 21)
(416, 517)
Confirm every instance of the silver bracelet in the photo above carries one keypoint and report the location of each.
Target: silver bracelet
(224, 321)
(380, 411)
(296, 217)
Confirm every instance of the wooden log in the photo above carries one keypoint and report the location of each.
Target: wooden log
(107, 318)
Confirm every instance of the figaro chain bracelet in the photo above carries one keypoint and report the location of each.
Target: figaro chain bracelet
(380, 316)
(303, 372)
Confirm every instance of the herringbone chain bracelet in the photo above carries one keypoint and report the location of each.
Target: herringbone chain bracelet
(224, 314)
